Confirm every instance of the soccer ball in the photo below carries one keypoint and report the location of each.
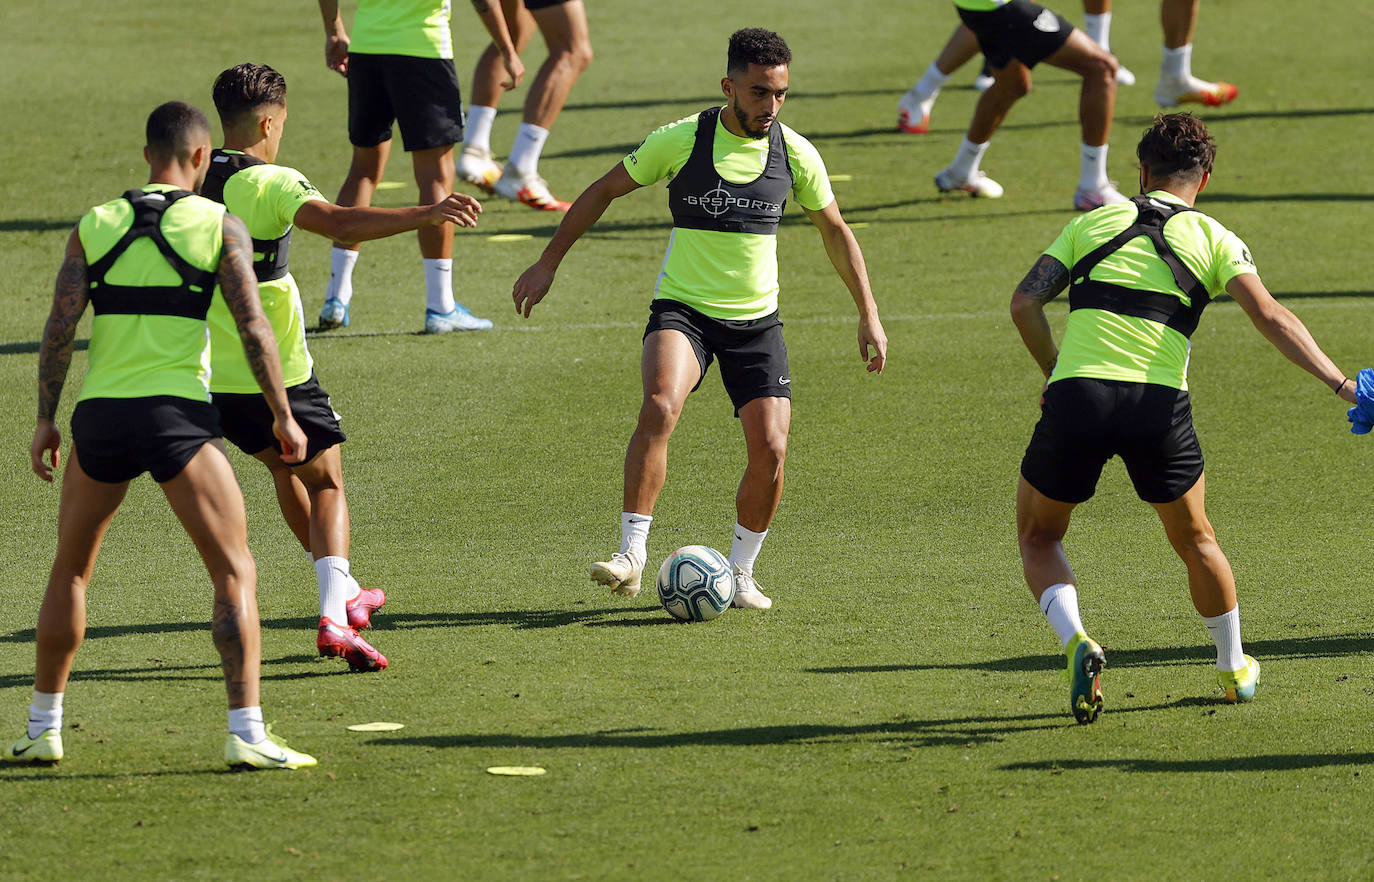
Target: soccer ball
(695, 584)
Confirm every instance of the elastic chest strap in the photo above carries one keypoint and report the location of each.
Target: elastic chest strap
(700, 169)
(270, 256)
(190, 299)
(1167, 309)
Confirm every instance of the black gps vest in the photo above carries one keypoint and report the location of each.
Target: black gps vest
(269, 255)
(701, 200)
(1168, 310)
(190, 299)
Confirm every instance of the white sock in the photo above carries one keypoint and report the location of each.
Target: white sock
(1093, 171)
(1177, 63)
(439, 284)
(1059, 603)
(333, 576)
(928, 86)
(966, 161)
(352, 589)
(246, 722)
(1225, 631)
(341, 262)
(477, 133)
(1099, 28)
(45, 713)
(529, 143)
(744, 548)
(634, 533)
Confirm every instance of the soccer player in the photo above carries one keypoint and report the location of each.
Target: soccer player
(272, 200)
(399, 67)
(1177, 85)
(731, 169)
(564, 26)
(1016, 35)
(1139, 275)
(148, 264)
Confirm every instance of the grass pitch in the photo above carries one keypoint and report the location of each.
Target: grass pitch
(899, 713)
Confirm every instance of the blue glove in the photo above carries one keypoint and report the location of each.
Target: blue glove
(1361, 416)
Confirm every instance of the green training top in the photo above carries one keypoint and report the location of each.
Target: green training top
(267, 198)
(732, 276)
(1108, 346)
(137, 356)
(419, 28)
(980, 5)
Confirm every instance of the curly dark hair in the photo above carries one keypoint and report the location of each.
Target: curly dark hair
(1176, 145)
(174, 130)
(246, 87)
(755, 46)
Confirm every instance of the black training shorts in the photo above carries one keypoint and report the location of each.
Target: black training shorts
(753, 357)
(1086, 422)
(419, 94)
(543, 4)
(118, 439)
(247, 419)
(1025, 31)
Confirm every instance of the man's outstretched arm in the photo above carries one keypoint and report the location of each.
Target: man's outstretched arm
(361, 223)
(1042, 284)
(848, 260)
(1287, 332)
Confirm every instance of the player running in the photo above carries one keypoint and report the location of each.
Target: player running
(1139, 275)
(272, 200)
(731, 170)
(148, 264)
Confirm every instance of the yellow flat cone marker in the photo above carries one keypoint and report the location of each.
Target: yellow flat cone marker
(376, 727)
(393, 185)
(518, 771)
(510, 237)
(858, 225)
(841, 178)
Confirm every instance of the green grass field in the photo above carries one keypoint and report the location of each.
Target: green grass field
(898, 713)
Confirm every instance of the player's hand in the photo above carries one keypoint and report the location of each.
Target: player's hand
(1347, 390)
(515, 72)
(531, 287)
(336, 53)
(46, 439)
(871, 334)
(459, 209)
(291, 438)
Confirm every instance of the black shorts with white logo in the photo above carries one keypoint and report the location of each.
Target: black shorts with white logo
(419, 94)
(118, 439)
(1025, 31)
(752, 354)
(247, 419)
(1086, 422)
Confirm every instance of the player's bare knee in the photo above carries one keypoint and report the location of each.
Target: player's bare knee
(659, 415)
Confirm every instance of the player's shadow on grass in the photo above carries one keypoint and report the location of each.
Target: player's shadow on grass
(523, 619)
(1276, 762)
(34, 225)
(1320, 646)
(161, 671)
(29, 347)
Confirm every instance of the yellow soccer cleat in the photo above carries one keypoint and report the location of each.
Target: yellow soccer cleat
(1240, 685)
(269, 753)
(45, 750)
(1086, 660)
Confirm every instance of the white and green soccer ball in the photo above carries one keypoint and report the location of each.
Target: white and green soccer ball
(695, 584)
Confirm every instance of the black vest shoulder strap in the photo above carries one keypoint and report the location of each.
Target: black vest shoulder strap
(190, 299)
(271, 257)
(700, 199)
(1167, 309)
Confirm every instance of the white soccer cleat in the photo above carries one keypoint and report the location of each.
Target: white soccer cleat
(1087, 200)
(269, 753)
(1173, 91)
(978, 184)
(529, 189)
(1124, 77)
(747, 593)
(913, 112)
(476, 166)
(621, 573)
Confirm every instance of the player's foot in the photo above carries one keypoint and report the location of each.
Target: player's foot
(1124, 77)
(978, 184)
(44, 750)
(334, 314)
(984, 79)
(1087, 200)
(1086, 661)
(269, 753)
(360, 608)
(346, 643)
(529, 189)
(1240, 685)
(1191, 90)
(621, 573)
(457, 320)
(747, 593)
(476, 166)
(913, 112)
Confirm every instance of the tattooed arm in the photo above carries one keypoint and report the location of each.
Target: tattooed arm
(55, 355)
(239, 287)
(1041, 285)
(494, 20)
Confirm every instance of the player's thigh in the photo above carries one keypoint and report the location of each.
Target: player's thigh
(564, 26)
(1185, 518)
(84, 513)
(1038, 516)
(519, 22)
(206, 499)
(671, 366)
(766, 423)
(324, 471)
(1083, 56)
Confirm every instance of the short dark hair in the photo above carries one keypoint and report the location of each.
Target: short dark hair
(245, 87)
(1176, 145)
(174, 129)
(755, 46)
